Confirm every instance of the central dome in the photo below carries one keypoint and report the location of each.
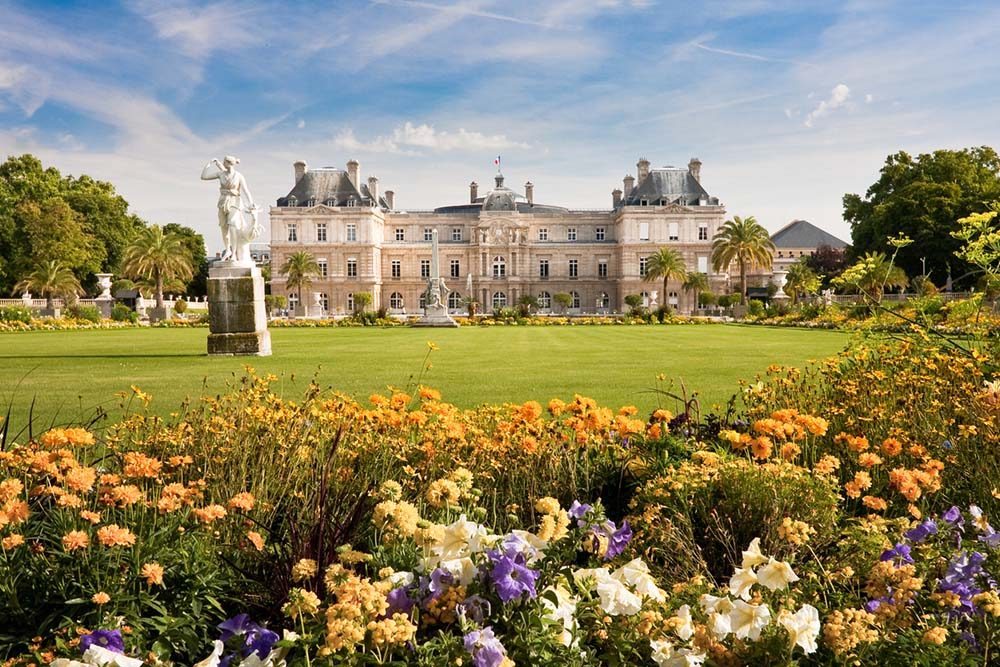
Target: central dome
(502, 198)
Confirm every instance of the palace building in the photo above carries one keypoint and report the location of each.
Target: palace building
(498, 246)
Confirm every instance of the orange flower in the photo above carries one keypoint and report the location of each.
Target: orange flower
(654, 431)
(79, 436)
(761, 447)
(662, 415)
(100, 598)
(556, 407)
(81, 479)
(209, 513)
(790, 451)
(256, 540)
(92, 517)
(10, 489)
(12, 541)
(874, 503)
(530, 411)
(69, 500)
(869, 459)
(75, 539)
(153, 573)
(429, 394)
(14, 512)
(242, 501)
(891, 447)
(628, 410)
(123, 496)
(115, 536)
(138, 464)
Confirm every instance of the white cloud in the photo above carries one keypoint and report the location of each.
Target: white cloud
(301, 124)
(838, 96)
(199, 30)
(408, 137)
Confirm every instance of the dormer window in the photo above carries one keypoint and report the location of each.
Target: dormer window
(643, 202)
(352, 201)
(311, 202)
(331, 202)
(293, 201)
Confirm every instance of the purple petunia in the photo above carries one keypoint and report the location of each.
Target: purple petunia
(511, 578)
(926, 528)
(109, 639)
(474, 608)
(256, 638)
(441, 580)
(899, 554)
(619, 540)
(485, 648)
(234, 627)
(578, 510)
(953, 517)
(961, 577)
(399, 601)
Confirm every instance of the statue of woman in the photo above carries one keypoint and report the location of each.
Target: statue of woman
(236, 235)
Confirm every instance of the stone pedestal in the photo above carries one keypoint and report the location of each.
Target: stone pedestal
(436, 317)
(157, 314)
(236, 312)
(105, 306)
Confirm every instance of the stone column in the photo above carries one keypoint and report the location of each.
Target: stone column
(236, 312)
(104, 300)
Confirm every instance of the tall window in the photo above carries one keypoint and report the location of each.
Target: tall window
(350, 302)
(643, 231)
(599, 233)
(672, 298)
(602, 268)
(352, 268)
(604, 301)
(703, 264)
(396, 301)
(323, 272)
(324, 301)
(400, 234)
(428, 234)
(454, 300)
(499, 268)
(576, 299)
(456, 268)
(543, 268)
(456, 233)
(425, 268)
(703, 231)
(352, 232)
(543, 234)
(574, 268)
(293, 301)
(642, 265)
(396, 267)
(499, 299)
(673, 231)
(571, 234)
(293, 231)
(320, 231)
(544, 300)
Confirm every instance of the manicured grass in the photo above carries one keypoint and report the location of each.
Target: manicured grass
(71, 374)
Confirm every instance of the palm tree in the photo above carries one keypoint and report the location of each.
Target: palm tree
(871, 275)
(51, 279)
(299, 270)
(158, 259)
(667, 264)
(696, 282)
(746, 242)
(801, 280)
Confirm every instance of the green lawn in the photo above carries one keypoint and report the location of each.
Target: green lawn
(70, 374)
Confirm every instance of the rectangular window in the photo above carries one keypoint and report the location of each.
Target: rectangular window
(320, 231)
(543, 268)
(323, 272)
(543, 234)
(574, 268)
(642, 265)
(428, 234)
(352, 232)
(456, 233)
(352, 268)
(643, 231)
(673, 231)
(599, 233)
(400, 234)
(425, 268)
(703, 264)
(293, 231)
(602, 268)
(571, 234)
(396, 270)
(702, 232)
(456, 269)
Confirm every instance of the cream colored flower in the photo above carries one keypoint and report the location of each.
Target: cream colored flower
(741, 582)
(747, 620)
(803, 627)
(636, 574)
(752, 557)
(776, 575)
(617, 599)
(684, 627)
(562, 611)
(717, 609)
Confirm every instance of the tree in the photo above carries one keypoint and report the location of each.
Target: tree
(361, 301)
(51, 280)
(526, 304)
(634, 302)
(299, 270)
(159, 258)
(563, 299)
(801, 280)
(696, 282)
(827, 262)
(666, 264)
(195, 243)
(923, 198)
(746, 242)
(871, 275)
(52, 231)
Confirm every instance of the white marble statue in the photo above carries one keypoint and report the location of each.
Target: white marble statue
(238, 223)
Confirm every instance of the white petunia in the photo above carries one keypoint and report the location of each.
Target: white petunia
(776, 575)
(588, 578)
(636, 574)
(462, 538)
(562, 611)
(617, 599)
(717, 609)
(684, 628)
(752, 557)
(747, 620)
(98, 655)
(664, 655)
(741, 582)
(462, 569)
(663, 651)
(402, 578)
(803, 627)
(213, 659)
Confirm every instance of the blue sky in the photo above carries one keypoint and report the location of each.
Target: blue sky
(788, 104)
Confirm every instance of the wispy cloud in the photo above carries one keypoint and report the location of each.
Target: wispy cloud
(838, 97)
(750, 56)
(464, 10)
(200, 29)
(409, 138)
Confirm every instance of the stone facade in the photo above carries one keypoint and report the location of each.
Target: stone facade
(503, 243)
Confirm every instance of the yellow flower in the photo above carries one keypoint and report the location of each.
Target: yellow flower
(153, 572)
(306, 568)
(256, 540)
(301, 603)
(935, 636)
(443, 492)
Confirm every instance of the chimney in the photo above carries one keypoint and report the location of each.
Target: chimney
(353, 166)
(300, 168)
(373, 189)
(628, 184)
(616, 197)
(643, 169)
(529, 192)
(473, 192)
(390, 199)
(694, 166)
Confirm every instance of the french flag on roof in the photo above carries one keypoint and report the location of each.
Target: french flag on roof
(497, 161)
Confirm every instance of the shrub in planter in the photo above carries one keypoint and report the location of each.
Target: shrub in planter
(755, 308)
(180, 306)
(88, 313)
(122, 313)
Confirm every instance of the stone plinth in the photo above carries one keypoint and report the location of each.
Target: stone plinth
(436, 317)
(236, 313)
(105, 306)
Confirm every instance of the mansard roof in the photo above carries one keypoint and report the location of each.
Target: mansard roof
(804, 234)
(501, 198)
(672, 185)
(328, 185)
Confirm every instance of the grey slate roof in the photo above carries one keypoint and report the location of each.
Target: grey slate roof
(670, 185)
(328, 185)
(500, 198)
(804, 234)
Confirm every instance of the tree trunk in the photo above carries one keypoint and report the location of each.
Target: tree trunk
(743, 283)
(50, 302)
(159, 290)
(664, 301)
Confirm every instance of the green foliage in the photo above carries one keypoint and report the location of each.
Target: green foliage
(180, 306)
(51, 279)
(15, 314)
(872, 275)
(299, 270)
(563, 299)
(275, 302)
(160, 257)
(707, 298)
(744, 241)
(666, 264)
(755, 308)
(195, 244)
(922, 197)
(827, 262)
(526, 305)
(87, 313)
(361, 301)
(801, 281)
(122, 313)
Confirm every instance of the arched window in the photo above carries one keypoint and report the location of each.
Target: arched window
(499, 299)
(396, 301)
(604, 301)
(576, 299)
(645, 299)
(672, 298)
(292, 201)
(454, 300)
(544, 301)
(350, 303)
(499, 267)
(324, 301)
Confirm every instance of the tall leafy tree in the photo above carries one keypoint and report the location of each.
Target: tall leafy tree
(51, 279)
(195, 243)
(923, 197)
(801, 280)
(159, 258)
(52, 231)
(665, 264)
(872, 275)
(746, 242)
(696, 282)
(827, 262)
(299, 270)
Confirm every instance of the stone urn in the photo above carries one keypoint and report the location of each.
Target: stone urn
(104, 282)
(27, 300)
(779, 278)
